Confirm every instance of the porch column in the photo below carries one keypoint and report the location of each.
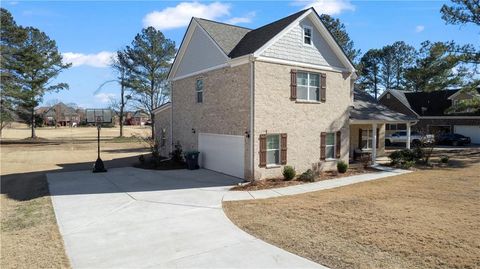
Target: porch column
(408, 135)
(374, 143)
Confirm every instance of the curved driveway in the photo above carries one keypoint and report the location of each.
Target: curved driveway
(135, 218)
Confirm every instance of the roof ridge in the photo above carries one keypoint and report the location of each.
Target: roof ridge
(291, 15)
(227, 24)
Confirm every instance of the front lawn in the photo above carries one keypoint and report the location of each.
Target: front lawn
(426, 219)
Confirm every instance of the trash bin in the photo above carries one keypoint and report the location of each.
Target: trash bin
(191, 157)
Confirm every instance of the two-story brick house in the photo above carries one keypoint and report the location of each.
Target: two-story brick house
(252, 101)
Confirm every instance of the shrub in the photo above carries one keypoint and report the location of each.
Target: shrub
(176, 154)
(308, 176)
(407, 164)
(400, 157)
(444, 159)
(342, 167)
(288, 172)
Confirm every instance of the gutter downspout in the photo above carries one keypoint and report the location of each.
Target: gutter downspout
(171, 116)
(252, 111)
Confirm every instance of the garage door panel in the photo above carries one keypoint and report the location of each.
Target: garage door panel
(222, 153)
(472, 131)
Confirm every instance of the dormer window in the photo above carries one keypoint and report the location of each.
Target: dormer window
(307, 35)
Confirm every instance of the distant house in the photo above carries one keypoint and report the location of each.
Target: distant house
(60, 115)
(136, 118)
(430, 108)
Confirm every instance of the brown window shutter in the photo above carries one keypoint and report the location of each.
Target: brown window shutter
(293, 84)
(263, 150)
(323, 87)
(360, 138)
(338, 144)
(378, 137)
(283, 147)
(323, 136)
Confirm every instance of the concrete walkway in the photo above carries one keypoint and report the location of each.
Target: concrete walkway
(316, 186)
(134, 218)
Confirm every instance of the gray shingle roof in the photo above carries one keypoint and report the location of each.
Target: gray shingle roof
(238, 41)
(365, 107)
(225, 35)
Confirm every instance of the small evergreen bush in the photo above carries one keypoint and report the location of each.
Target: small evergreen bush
(444, 159)
(342, 167)
(308, 176)
(289, 172)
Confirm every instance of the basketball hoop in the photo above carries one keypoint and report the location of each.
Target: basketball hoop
(98, 117)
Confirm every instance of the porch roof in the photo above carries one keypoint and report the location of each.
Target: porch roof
(367, 109)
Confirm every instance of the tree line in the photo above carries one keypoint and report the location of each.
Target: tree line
(30, 61)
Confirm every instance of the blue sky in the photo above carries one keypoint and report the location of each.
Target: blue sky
(88, 32)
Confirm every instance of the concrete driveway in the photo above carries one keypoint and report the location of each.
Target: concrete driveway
(135, 218)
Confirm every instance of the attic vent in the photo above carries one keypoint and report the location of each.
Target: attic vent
(424, 109)
(388, 96)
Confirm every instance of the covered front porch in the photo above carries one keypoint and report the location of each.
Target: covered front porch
(368, 119)
(367, 138)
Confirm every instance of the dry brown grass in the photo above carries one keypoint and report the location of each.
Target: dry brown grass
(425, 219)
(29, 232)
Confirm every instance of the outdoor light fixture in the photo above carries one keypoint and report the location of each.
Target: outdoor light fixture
(193, 130)
(247, 134)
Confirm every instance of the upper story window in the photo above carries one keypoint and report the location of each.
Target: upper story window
(308, 86)
(199, 90)
(307, 35)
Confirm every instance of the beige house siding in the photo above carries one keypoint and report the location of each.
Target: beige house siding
(276, 113)
(225, 108)
(162, 122)
(354, 143)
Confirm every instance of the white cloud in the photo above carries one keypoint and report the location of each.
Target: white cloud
(101, 59)
(104, 98)
(330, 7)
(419, 28)
(245, 19)
(180, 15)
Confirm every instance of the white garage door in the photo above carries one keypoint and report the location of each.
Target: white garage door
(222, 153)
(472, 131)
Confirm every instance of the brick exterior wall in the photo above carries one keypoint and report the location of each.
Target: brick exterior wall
(276, 113)
(162, 122)
(225, 108)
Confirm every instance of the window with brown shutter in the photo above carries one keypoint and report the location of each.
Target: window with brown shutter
(338, 144)
(323, 87)
(293, 84)
(283, 152)
(322, 145)
(263, 150)
(378, 137)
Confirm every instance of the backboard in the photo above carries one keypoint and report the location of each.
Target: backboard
(98, 115)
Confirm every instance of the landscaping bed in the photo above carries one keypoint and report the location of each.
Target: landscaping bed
(354, 169)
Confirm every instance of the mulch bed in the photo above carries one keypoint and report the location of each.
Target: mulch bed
(280, 182)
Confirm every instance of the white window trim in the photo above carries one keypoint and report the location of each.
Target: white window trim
(199, 91)
(271, 165)
(303, 35)
(370, 140)
(334, 146)
(308, 100)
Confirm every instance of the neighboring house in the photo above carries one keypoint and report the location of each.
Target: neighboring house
(60, 115)
(136, 118)
(253, 101)
(430, 108)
